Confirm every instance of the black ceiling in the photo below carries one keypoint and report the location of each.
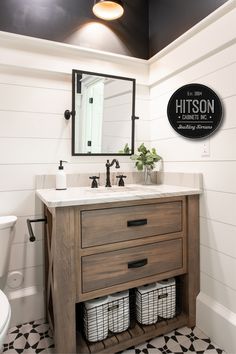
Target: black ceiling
(146, 27)
(168, 19)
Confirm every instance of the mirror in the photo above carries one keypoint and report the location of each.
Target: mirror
(103, 114)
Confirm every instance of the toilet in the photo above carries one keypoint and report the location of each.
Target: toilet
(6, 227)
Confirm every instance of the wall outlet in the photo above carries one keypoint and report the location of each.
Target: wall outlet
(206, 148)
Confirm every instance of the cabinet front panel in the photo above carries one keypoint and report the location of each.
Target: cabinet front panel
(106, 226)
(117, 267)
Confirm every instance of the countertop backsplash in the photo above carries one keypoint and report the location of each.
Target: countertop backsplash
(193, 180)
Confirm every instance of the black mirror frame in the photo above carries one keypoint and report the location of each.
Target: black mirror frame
(73, 113)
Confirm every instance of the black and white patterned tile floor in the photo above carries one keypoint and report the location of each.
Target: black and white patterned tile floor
(35, 337)
(29, 338)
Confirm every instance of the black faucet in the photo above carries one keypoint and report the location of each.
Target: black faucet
(108, 165)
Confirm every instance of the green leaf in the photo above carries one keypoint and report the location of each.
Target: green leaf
(142, 149)
(139, 165)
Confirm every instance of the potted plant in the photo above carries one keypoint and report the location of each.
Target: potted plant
(145, 160)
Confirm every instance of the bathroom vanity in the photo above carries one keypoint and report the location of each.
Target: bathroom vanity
(102, 241)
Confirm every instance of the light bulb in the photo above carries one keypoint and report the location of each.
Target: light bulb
(108, 10)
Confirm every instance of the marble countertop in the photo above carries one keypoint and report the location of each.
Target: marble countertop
(86, 195)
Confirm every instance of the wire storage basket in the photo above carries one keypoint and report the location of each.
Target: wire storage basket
(146, 304)
(95, 319)
(103, 317)
(156, 302)
(149, 304)
(119, 312)
(166, 295)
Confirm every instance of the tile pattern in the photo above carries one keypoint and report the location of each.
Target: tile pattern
(30, 338)
(183, 340)
(36, 337)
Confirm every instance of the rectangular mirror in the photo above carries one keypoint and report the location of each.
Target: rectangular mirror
(103, 114)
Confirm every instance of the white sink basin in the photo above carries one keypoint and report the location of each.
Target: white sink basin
(117, 189)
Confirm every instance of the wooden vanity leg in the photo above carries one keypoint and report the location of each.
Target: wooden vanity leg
(64, 289)
(192, 278)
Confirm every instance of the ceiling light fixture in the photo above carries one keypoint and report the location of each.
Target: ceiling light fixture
(108, 9)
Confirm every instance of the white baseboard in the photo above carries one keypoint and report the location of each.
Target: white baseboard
(218, 322)
(26, 305)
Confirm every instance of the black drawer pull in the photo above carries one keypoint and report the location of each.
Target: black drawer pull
(139, 222)
(138, 264)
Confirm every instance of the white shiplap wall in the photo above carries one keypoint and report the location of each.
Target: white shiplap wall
(34, 92)
(34, 136)
(210, 61)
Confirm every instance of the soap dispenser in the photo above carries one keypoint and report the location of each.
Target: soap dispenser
(61, 177)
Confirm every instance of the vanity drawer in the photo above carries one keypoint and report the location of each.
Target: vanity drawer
(121, 266)
(104, 226)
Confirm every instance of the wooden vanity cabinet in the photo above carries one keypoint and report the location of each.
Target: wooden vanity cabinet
(100, 249)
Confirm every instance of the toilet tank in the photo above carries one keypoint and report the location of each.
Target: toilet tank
(6, 233)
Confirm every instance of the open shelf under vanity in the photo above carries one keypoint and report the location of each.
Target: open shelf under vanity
(136, 331)
(133, 336)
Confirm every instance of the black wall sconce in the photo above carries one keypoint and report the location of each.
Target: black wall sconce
(68, 114)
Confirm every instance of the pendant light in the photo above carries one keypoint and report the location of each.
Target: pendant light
(108, 9)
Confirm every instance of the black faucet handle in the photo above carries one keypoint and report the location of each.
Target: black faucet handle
(121, 182)
(94, 183)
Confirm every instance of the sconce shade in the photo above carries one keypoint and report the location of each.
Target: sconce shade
(108, 9)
